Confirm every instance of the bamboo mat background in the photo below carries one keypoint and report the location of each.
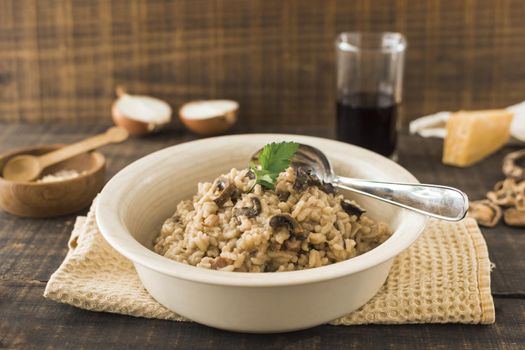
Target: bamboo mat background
(62, 59)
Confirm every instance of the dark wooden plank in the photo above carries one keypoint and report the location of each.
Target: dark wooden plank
(29, 321)
(62, 59)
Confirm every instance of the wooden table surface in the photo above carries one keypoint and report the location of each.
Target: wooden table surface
(30, 250)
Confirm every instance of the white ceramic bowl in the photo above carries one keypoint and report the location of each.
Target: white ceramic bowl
(135, 203)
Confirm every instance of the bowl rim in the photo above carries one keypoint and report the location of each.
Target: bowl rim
(55, 146)
(114, 231)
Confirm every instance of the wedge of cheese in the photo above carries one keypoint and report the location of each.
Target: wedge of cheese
(473, 135)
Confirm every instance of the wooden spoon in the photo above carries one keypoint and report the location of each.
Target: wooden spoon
(28, 167)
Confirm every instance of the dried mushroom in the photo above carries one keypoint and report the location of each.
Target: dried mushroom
(504, 192)
(511, 168)
(249, 212)
(514, 217)
(223, 189)
(485, 212)
(351, 208)
(508, 193)
(285, 220)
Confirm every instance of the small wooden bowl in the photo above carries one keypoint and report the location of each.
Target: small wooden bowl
(47, 199)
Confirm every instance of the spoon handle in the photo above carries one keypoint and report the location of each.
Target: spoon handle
(114, 134)
(442, 202)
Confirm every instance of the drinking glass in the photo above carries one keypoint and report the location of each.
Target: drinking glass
(369, 89)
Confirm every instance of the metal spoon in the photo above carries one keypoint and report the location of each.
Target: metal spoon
(442, 202)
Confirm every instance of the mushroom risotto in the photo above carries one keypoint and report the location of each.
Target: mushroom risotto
(234, 225)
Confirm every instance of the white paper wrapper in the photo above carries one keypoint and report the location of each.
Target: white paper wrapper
(434, 125)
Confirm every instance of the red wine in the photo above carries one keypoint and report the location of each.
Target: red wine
(368, 120)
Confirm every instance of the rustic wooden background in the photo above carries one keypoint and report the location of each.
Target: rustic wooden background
(62, 59)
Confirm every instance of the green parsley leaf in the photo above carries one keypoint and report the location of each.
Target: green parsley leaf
(273, 159)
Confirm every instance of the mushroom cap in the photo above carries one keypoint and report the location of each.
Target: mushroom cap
(351, 208)
(225, 188)
(286, 220)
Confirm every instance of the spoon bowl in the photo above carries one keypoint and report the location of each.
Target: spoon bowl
(22, 168)
(442, 202)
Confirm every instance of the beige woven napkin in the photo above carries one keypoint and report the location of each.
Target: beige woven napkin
(443, 277)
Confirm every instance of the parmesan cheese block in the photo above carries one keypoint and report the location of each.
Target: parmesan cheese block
(473, 135)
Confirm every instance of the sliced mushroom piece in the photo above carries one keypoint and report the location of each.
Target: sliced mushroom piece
(283, 196)
(485, 212)
(505, 199)
(224, 189)
(236, 195)
(504, 192)
(511, 168)
(222, 183)
(249, 212)
(514, 217)
(286, 220)
(327, 188)
(250, 175)
(351, 208)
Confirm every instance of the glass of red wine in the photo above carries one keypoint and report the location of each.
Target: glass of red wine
(369, 89)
